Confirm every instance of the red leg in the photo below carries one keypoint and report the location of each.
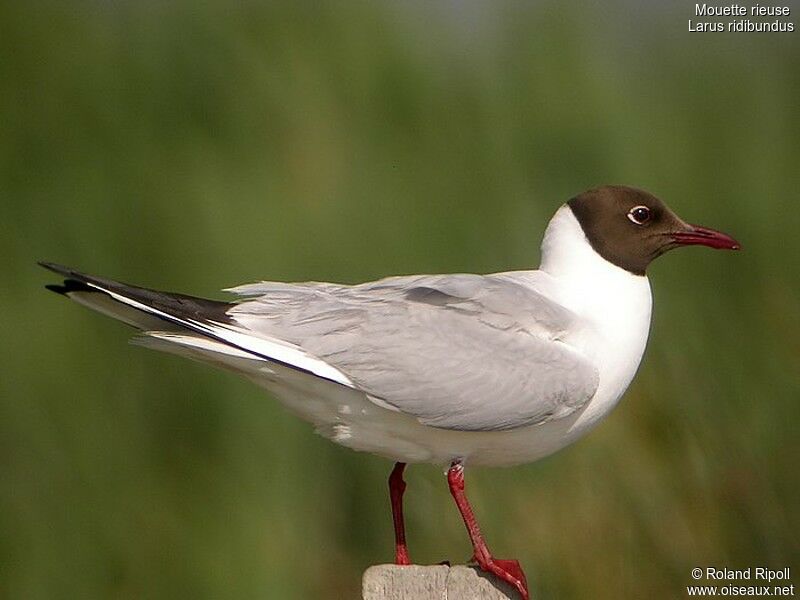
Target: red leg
(396, 488)
(507, 570)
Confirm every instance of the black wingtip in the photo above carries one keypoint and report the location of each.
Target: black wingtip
(177, 305)
(55, 267)
(69, 286)
(58, 289)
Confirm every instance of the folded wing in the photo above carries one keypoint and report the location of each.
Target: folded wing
(464, 352)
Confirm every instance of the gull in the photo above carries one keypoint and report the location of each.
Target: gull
(457, 369)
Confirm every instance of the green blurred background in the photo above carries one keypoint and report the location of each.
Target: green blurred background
(193, 146)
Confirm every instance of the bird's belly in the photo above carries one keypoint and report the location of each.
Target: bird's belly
(348, 417)
(403, 438)
(361, 425)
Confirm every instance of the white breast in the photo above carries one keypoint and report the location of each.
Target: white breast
(615, 306)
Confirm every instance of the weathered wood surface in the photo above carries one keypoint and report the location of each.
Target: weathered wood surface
(437, 582)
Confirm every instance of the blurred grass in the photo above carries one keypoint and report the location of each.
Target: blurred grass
(193, 147)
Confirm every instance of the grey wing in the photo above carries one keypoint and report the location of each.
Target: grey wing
(465, 352)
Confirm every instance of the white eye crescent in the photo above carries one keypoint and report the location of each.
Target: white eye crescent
(639, 215)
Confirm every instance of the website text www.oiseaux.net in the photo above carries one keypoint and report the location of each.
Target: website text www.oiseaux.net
(742, 582)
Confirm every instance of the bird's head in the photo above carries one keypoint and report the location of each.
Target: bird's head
(630, 227)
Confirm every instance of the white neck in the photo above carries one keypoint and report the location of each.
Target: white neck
(614, 304)
(584, 275)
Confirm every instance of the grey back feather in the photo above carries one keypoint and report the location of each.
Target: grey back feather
(465, 352)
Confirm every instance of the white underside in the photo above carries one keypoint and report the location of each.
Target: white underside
(614, 307)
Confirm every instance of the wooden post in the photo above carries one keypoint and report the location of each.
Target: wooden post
(437, 582)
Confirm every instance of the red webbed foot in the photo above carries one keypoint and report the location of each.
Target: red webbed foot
(508, 570)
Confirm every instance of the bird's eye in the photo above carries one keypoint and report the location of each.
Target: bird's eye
(639, 215)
